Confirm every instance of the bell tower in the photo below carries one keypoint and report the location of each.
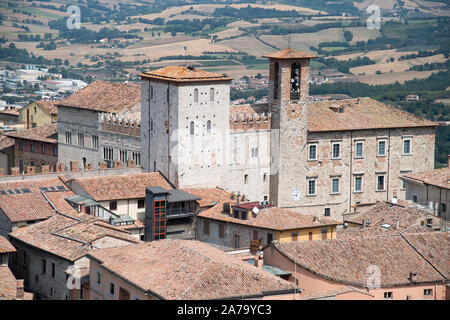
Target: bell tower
(288, 102)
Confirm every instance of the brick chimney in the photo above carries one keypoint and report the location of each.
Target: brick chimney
(15, 171)
(117, 164)
(102, 165)
(20, 289)
(413, 276)
(89, 166)
(60, 167)
(258, 260)
(45, 168)
(131, 163)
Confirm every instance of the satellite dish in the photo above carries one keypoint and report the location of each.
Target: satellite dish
(255, 210)
(394, 200)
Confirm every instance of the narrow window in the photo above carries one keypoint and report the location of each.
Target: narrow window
(246, 179)
(295, 81)
(294, 236)
(211, 94)
(359, 150)
(43, 266)
(269, 238)
(380, 183)
(312, 152)
(312, 187)
(381, 148)
(196, 95)
(151, 92)
(208, 126)
(264, 177)
(324, 234)
(53, 270)
(111, 288)
(406, 146)
(221, 230)
(237, 244)
(55, 151)
(358, 184)
(95, 142)
(192, 128)
(206, 227)
(141, 203)
(336, 150)
(335, 186)
(31, 147)
(310, 236)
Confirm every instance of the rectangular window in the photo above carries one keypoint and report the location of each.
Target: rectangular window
(99, 278)
(141, 203)
(236, 240)
(414, 198)
(294, 236)
(428, 292)
(336, 147)
(113, 205)
(95, 142)
(310, 236)
(407, 146)
(244, 215)
(236, 214)
(43, 148)
(388, 295)
(68, 137)
(81, 139)
(359, 147)
(380, 183)
(206, 227)
(269, 238)
(53, 270)
(327, 212)
(221, 230)
(21, 146)
(55, 151)
(111, 288)
(335, 186)
(358, 184)
(312, 187)
(43, 266)
(324, 234)
(381, 148)
(31, 147)
(246, 179)
(312, 152)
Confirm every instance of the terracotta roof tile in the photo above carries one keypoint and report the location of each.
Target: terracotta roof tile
(6, 246)
(209, 196)
(289, 54)
(8, 286)
(49, 105)
(191, 270)
(272, 218)
(183, 74)
(30, 205)
(47, 133)
(5, 142)
(439, 177)
(67, 237)
(367, 114)
(347, 261)
(105, 97)
(116, 187)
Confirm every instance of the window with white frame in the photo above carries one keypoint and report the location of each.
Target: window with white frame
(312, 152)
(407, 146)
(336, 150)
(381, 148)
(358, 184)
(359, 149)
(381, 183)
(312, 187)
(335, 185)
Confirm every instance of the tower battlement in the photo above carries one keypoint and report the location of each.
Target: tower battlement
(119, 124)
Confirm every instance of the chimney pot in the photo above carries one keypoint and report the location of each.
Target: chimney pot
(20, 289)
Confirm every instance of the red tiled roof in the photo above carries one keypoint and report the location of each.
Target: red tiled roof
(6, 246)
(5, 142)
(29, 206)
(209, 196)
(183, 74)
(8, 286)
(439, 177)
(49, 105)
(289, 54)
(272, 218)
(116, 187)
(105, 97)
(69, 238)
(188, 270)
(347, 261)
(367, 114)
(47, 133)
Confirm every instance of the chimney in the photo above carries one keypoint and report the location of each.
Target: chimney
(89, 166)
(131, 163)
(15, 171)
(258, 260)
(413, 276)
(30, 170)
(45, 168)
(60, 167)
(102, 165)
(117, 164)
(20, 289)
(363, 224)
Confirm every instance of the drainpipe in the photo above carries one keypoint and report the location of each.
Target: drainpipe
(351, 173)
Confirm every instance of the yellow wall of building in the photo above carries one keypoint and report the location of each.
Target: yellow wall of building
(38, 115)
(303, 234)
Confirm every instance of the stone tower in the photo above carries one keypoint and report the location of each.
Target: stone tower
(184, 118)
(288, 101)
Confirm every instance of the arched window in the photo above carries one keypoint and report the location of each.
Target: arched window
(32, 163)
(276, 80)
(84, 162)
(191, 128)
(208, 126)
(196, 95)
(295, 81)
(211, 94)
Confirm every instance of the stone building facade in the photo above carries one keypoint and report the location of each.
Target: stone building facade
(317, 158)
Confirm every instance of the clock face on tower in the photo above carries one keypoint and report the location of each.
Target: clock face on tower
(296, 195)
